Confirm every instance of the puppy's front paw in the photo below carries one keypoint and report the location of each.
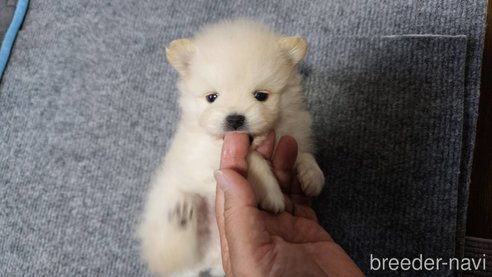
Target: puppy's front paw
(309, 174)
(182, 213)
(271, 200)
(169, 232)
(257, 141)
(268, 193)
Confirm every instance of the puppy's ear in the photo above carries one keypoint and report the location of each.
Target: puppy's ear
(179, 54)
(295, 47)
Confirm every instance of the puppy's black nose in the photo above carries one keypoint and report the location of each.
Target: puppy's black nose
(234, 121)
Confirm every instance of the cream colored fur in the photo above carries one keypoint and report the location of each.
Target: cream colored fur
(234, 59)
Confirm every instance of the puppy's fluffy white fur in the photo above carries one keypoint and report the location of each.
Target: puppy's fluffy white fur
(233, 60)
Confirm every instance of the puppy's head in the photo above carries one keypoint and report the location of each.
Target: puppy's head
(233, 75)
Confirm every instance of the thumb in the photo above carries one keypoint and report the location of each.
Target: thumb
(237, 191)
(242, 224)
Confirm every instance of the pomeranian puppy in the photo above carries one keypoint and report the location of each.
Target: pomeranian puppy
(234, 76)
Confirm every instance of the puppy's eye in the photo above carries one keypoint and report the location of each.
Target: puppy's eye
(261, 96)
(211, 97)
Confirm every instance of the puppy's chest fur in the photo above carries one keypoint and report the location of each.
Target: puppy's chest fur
(193, 158)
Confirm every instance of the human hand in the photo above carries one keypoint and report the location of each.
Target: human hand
(257, 243)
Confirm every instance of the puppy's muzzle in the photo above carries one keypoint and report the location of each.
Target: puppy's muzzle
(234, 122)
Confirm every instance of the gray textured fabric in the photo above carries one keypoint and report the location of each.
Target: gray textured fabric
(88, 105)
(391, 141)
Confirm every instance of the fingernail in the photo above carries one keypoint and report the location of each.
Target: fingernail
(220, 178)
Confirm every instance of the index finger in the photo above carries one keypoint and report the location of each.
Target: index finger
(266, 148)
(284, 160)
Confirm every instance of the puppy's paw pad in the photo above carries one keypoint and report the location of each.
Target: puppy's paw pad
(182, 213)
(311, 178)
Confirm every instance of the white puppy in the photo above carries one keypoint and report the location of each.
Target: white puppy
(234, 76)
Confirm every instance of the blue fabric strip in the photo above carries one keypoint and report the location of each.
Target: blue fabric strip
(8, 40)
